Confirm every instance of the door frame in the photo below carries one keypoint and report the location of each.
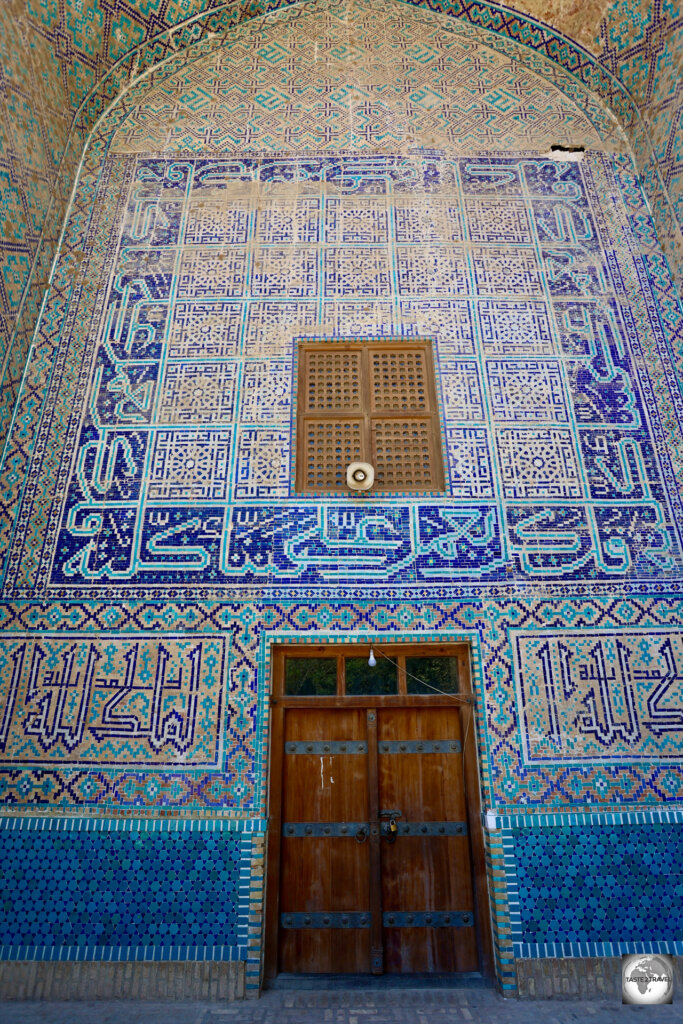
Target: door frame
(280, 703)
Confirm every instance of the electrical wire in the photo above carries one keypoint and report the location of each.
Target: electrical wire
(459, 698)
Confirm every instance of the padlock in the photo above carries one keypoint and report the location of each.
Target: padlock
(393, 827)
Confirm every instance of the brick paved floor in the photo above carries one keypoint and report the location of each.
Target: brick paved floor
(406, 1006)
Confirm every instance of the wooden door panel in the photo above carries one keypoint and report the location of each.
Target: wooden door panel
(433, 872)
(426, 874)
(428, 951)
(424, 787)
(325, 724)
(324, 951)
(324, 787)
(322, 874)
(417, 723)
(314, 869)
(415, 874)
(430, 785)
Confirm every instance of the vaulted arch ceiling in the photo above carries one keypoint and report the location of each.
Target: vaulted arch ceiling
(360, 75)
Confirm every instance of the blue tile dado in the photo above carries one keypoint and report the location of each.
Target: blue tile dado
(576, 890)
(73, 889)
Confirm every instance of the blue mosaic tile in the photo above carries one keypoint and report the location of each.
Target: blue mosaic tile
(111, 46)
(123, 890)
(179, 459)
(574, 889)
(154, 541)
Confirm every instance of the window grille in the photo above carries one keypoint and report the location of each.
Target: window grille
(368, 401)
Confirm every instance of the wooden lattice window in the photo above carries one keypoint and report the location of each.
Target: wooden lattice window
(368, 401)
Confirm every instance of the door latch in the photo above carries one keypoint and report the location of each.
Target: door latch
(389, 828)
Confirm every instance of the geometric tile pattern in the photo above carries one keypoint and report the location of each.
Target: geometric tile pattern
(641, 44)
(68, 67)
(414, 82)
(240, 789)
(152, 890)
(595, 891)
(154, 541)
(67, 55)
(177, 466)
(514, 774)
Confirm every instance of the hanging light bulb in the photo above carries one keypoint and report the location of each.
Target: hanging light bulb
(372, 660)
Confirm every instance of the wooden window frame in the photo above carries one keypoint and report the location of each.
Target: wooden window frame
(367, 414)
(280, 703)
(397, 652)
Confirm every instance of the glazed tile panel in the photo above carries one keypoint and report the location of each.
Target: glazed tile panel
(112, 700)
(176, 469)
(159, 546)
(296, 82)
(143, 889)
(62, 65)
(602, 696)
(578, 701)
(642, 45)
(618, 890)
(73, 61)
(123, 890)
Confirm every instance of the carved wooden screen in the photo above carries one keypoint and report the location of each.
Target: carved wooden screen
(371, 402)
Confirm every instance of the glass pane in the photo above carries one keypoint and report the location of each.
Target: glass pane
(311, 677)
(362, 679)
(442, 673)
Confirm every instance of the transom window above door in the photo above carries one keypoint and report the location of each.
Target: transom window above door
(352, 675)
(367, 402)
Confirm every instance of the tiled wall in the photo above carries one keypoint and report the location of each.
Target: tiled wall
(156, 548)
(35, 119)
(549, 435)
(624, 860)
(56, 52)
(53, 53)
(131, 890)
(396, 98)
(618, 890)
(642, 45)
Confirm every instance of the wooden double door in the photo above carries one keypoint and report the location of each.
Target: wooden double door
(376, 865)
